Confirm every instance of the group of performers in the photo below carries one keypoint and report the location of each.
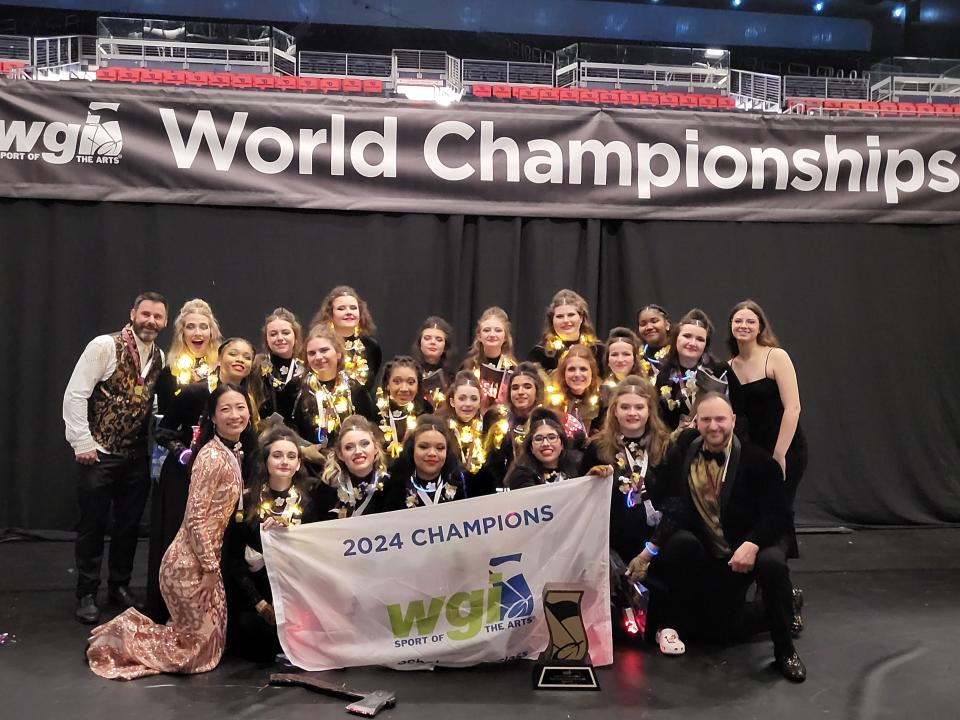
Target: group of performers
(311, 426)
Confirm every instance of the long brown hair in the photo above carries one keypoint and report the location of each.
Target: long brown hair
(464, 377)
(623, 335)
(566, 297)
(765, 337)
(281, 313)
(325, 314)
(697, 317)
(608, 440)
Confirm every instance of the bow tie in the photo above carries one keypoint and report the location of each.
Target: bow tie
(718, 457)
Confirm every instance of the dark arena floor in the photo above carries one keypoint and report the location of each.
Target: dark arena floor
(881, 641)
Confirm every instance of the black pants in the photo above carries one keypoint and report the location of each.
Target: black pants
(708, 599)
(123, 485)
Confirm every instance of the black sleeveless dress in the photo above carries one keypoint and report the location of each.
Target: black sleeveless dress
(759, 411)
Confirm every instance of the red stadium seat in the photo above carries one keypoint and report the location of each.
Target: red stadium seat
(689, 100)
(219, 79)
(944, 110)
(333, 85)
(832, 104)
(850, 105)
(241, 81)
(588, 96)
(708, 101)
(174, 77)
(726, 102)
(670, 99)
(888, 109)
(286, 82)
(309, 84)
(152, 77)
(371, 87)
(264, 82)
(813, 103)
(569, 95)
(502, 92)
(197, 79)
(108, 74)
(481, 90)
(869, 107)
(629, 98)
(549, 94)
(351, 85)
(609, 97)
(649, 98)
(905, 108)
(525, 92)
(926, 109)
(125, 74)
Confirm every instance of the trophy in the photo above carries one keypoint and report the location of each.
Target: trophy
(565, 664)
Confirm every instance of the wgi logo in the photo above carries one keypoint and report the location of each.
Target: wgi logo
(94, 141)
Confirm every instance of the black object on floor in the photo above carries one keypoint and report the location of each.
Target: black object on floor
(881, 639)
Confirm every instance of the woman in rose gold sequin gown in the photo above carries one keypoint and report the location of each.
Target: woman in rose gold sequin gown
(131, 645)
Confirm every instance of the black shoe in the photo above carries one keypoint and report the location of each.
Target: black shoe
(87, 611)
(796, 622)
(122, 596)
(791, 666)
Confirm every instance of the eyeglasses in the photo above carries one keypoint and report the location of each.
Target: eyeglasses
(541, 439)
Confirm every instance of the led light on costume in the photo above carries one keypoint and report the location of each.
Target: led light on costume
(389, 419)
(188, 369)
(332, 405)
(279, 377)
(285, 508)
(470, 441)
(682, 384)
(633, 462)
(354, 360)
(555, 344)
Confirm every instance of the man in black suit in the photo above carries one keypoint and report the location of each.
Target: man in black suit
(721, 532)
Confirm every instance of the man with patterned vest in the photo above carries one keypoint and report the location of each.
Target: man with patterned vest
(107, 410)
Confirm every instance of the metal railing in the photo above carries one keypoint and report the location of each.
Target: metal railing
(806, 86)
(652, 77)
(16, 47)
(915, 88)
(354, 65)
(428, 61)
(185, 55)
(756, 91)
(500, 71)
(454, 73)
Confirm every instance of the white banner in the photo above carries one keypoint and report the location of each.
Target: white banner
(454, 584)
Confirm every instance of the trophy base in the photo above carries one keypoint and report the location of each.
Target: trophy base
(552, 674)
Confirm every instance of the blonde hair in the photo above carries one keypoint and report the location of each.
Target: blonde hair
(178, 347)
(475, 356)
(326, 333)
(332, 467)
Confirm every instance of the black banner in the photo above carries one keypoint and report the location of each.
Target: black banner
(97, 141)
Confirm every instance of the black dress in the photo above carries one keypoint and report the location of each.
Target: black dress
(677, 389)
(549, 362)
(355, 400)
(355, 496)
(478, 479)
(405, 490)
(169, 501)
(500, 454)
(759, 411)
(245, 578)
(633, 500)
(281, 384)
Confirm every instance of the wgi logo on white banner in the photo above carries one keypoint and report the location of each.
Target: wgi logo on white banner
(93, 141)
(450, 584)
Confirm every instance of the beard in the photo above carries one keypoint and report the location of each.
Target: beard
(147, 332)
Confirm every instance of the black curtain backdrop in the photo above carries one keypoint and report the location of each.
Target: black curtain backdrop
(866, 311)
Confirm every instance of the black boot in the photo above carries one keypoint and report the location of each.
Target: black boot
(87, 611)
(123, 597)
(790, 665)
(796, 622)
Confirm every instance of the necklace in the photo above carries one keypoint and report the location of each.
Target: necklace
(285, 505)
